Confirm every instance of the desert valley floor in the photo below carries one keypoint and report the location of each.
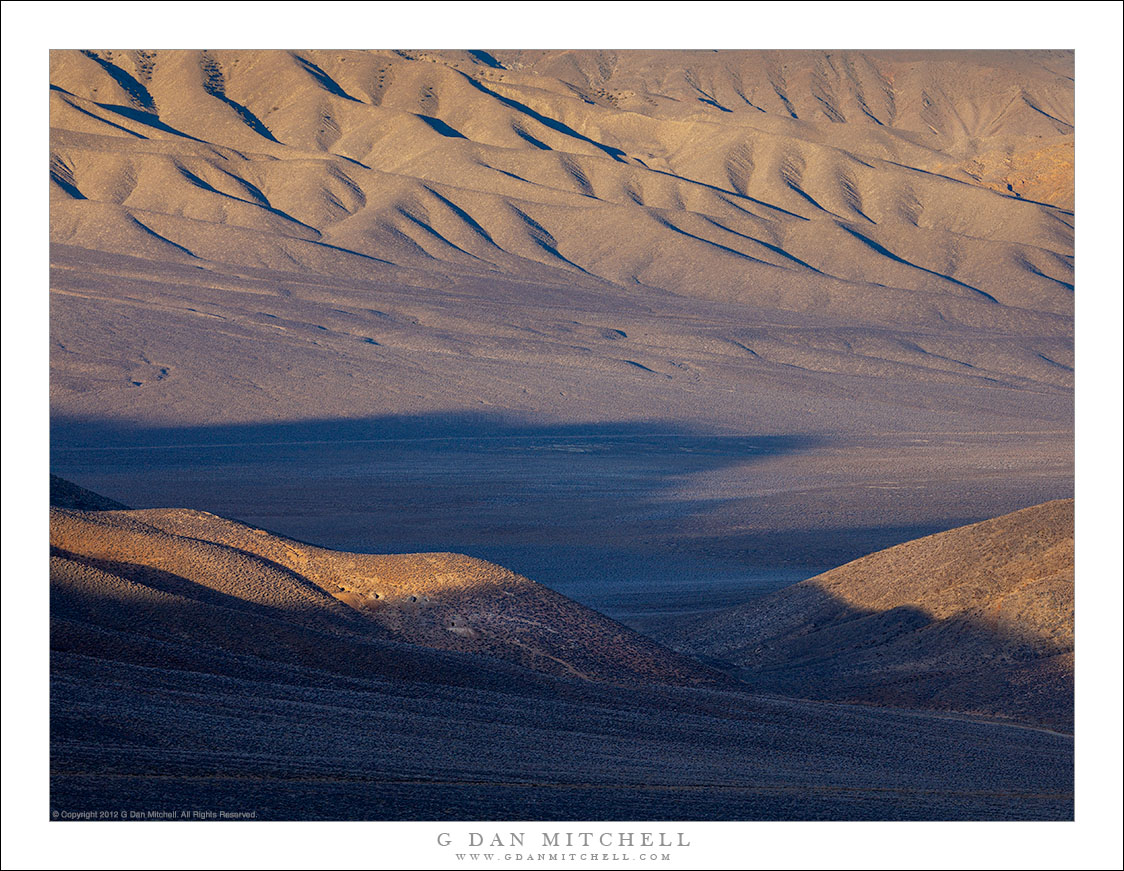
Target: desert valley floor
(445, 435)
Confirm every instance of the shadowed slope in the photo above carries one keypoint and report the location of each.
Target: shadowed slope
(747, 242)
(442, 601)
(208, 674)
(66, 494)
(976, 619)
(748, 172)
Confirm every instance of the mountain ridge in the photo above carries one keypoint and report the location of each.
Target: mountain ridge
(440, 601)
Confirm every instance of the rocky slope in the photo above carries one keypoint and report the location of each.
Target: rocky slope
(199, 663)
(195, 573)
(977, 619)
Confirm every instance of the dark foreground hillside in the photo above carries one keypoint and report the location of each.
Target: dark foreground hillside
(977, 619)
(190, 670)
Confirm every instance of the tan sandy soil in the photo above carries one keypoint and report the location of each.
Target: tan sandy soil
(977, 619)
(816, 247)
(181, 561)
